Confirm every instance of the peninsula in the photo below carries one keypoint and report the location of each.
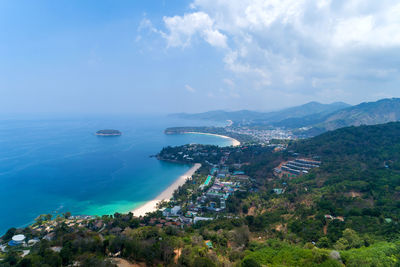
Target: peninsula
(108, 132)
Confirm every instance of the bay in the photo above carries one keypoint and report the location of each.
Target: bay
(57, 164)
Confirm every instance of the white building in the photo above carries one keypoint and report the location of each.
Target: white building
(17, 240)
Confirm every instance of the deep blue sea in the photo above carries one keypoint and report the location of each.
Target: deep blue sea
(53, 165)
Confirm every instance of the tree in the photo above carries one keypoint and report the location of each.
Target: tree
(9, 233)
(11, 258)
(42, 218)
(349, 240)
(341, 244)
(241, 235)
(245, 208)
(323, 242)
(203, 262)
(26, 262)
(249, 262)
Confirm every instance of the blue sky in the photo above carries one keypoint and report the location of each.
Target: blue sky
(188, 56)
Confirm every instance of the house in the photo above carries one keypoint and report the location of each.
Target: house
(191, 213)
(340, 218)
(278, 191)
(175, 210)
(166, 212)
(56, 249)
(192, 207)
(32, 242)
(50, 236)
(172, 211)
(185, 220)
(198, 219)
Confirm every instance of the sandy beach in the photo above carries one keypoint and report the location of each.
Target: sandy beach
(150, 206)
(234, 141)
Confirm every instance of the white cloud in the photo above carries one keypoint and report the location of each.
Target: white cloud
(296, 44)
(145, 24)
(183, 28)
(189, 88)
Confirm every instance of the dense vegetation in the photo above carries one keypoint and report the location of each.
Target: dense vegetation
(345, 213)
(369, 113)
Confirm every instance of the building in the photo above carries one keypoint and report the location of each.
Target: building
(198, 219)
(296, 167)
(175, 210)
(172, 211)
(278, 191)
(17, 240)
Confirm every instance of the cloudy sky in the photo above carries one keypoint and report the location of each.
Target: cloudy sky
(188, 56)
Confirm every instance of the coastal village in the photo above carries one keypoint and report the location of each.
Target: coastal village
(203, 197)
(235, 198)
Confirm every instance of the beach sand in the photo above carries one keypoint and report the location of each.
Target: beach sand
(234, 141)
(150, 206)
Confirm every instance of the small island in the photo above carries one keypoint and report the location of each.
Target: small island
(108, 132)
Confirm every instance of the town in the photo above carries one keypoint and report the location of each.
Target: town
(244, 134)
(205, 196)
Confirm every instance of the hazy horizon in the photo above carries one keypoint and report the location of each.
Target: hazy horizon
(138, 113)
(162, 57)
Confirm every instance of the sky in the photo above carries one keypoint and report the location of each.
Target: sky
(165, 56)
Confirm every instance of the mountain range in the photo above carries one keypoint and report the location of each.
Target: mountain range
(312, 118)
(256, 117)
(368, 113)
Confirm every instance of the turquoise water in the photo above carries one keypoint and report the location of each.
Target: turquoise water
(57, 165)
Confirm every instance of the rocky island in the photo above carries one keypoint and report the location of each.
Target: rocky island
(108, 132)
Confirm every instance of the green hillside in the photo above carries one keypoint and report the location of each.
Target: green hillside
(369, 113)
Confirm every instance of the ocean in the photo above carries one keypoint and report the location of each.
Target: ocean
(57, 164)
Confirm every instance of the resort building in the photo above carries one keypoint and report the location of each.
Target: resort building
(296, 167)
(17, 240)
(174, 212)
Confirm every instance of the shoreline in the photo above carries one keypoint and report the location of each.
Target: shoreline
(233, 140)
(150, 206)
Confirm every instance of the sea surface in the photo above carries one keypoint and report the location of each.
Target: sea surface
(57, 164)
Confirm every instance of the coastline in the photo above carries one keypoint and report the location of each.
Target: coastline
(150, 206)
(233, 140)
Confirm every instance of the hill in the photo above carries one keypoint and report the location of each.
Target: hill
(312, 118)
(254, 117)
(368, 113)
